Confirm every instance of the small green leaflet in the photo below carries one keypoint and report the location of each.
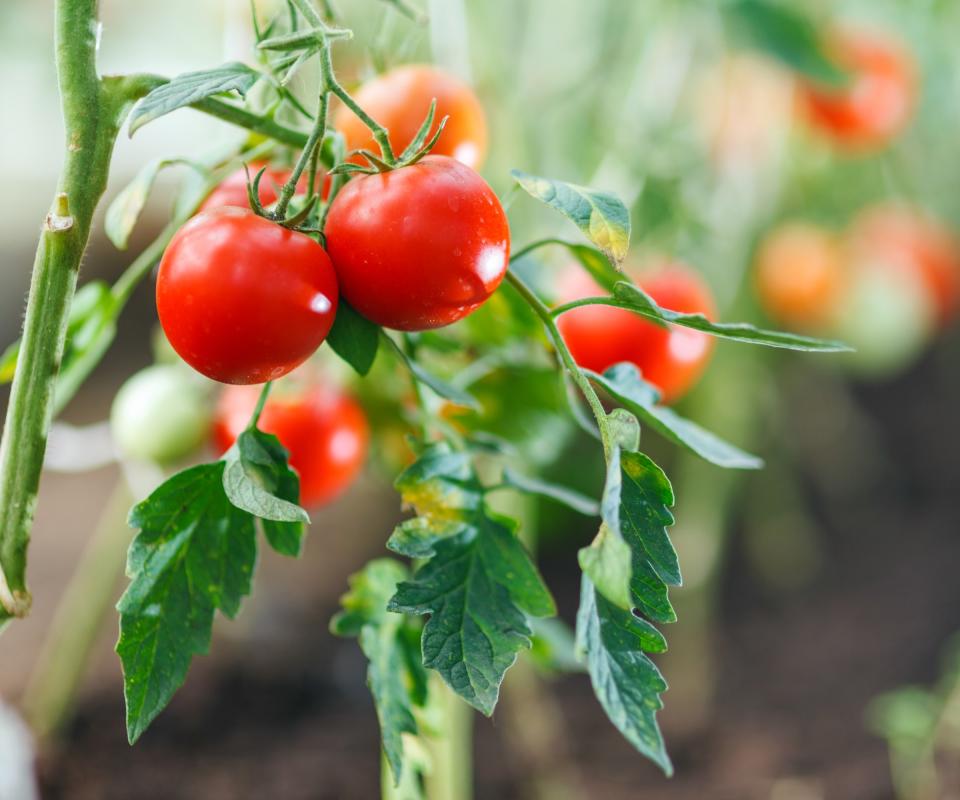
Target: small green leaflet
(645, 501)
(601, 216)
(478, 585)
(625, 385)
(397, 681)
(606, 562)
(194, 554)
(635, 299)
(594, 262)
(354, 338)
(627, 684)
(570, 498)
(787, 35)
(191, 87)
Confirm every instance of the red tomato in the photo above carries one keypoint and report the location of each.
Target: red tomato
(418, 247)
(232, 191)
(800, 275)
(242, 299)
(324, 431)
(671, 358)
(909, 239)
(877, 101)
(400, 100)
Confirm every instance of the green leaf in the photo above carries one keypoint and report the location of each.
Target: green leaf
(8, 362)
(125, 210)
(627, 684)
(354, 338)
(191, 87)
(569, 497)
(786, 34)
(645, 501)
(607, 563)
(393, 678)
(599, 267)
(478, 585)
(258, 480)
(637, 300)
(601, 216)
(625, 385)
(195, 553)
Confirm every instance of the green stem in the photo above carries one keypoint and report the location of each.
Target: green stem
(452, 751)
(525, 251)
(591, 301)
(261, 402)
(566, 358)
(306, 155)
(93, 111)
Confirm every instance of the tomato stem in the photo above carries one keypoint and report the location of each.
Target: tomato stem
(261, 402)
(566, 357)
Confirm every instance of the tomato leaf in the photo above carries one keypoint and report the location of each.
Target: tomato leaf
(634, 298)
(479, 584)
(625, 385)
(191, 87)
(601, 216)
(397, 682)
(123, 213)
(606, 562)
(354, 338)
(194, 554)
(627, 684)
(786, 34)
(594, 262)
(645, 501)
(569, 497)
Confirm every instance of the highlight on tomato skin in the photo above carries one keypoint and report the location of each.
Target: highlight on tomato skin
(911, 239)
(800, 275)
(878, 100)
(672, 358)
(400, 101)
(418, 247)
(324, 430)
(242, 299)
(232, 190)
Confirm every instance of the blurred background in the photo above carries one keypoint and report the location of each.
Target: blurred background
(812, 657)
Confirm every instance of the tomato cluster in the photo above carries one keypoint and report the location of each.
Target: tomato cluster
(884, 285)
(672, 358)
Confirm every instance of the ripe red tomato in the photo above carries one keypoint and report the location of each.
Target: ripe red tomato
(400, 99)
(324, 431)
(242, 299)
(909, 239)
(418, 247)
(877, 101)
(800, 275)
(232, 191)
(671, 358)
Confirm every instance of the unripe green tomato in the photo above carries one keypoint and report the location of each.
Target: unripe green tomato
(887, 316)
(161, 414)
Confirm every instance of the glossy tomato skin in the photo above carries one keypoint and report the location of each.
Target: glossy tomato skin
(671, 358)
(878, 100)
(800, 275)
(232, 191)
(906, 238)
(242, 299)
(324, 431)
(400, 100)
(418, 247)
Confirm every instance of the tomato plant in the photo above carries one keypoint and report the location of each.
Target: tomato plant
(324, 431)
(418, 247)
(671, 358)
(242, 299)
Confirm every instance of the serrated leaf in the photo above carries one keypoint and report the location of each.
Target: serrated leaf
(123, 213)
(354, 338)
(627, 684)
(570, 498)
(625, 385)
(645, 501)
(195, 553)
(191, 87)
(637, 300)
(476, 588)
(788, 35)
(394, 680)
(257, 479)
(601, 216)
(607, 563)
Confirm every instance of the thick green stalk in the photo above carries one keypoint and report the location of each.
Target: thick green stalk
(93, 111)
(451, 775)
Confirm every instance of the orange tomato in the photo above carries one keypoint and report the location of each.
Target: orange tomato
(400, 100)
(799, 275)
(876, 102)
